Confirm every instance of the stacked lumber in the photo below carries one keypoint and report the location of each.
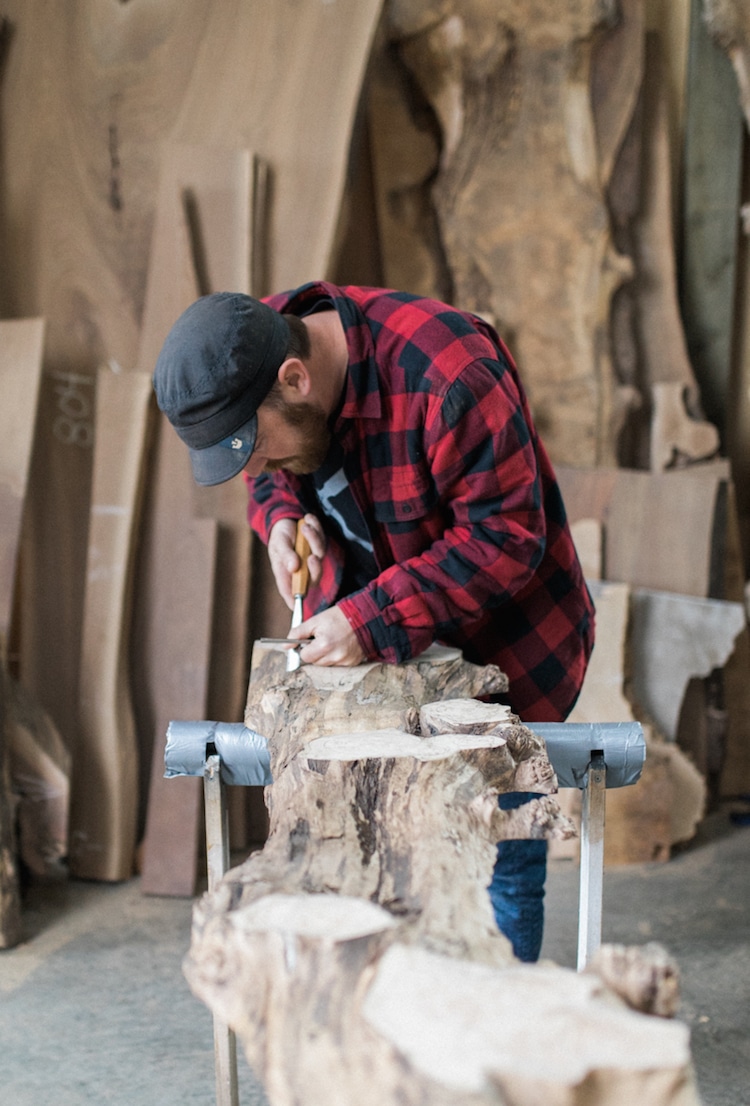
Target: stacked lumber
(356, 956)
(155, 155)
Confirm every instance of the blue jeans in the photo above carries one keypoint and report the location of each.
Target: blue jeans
(517, 887)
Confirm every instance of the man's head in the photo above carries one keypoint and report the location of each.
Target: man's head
(218, 364)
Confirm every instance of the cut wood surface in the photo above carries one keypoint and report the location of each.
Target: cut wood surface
(356, 955)
(104, 751)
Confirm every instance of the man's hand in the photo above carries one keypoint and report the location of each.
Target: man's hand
(284, 560)
(332, 640)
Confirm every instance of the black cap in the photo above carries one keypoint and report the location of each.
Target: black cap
(217, 365)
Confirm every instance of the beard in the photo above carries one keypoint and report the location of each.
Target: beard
(312, 423)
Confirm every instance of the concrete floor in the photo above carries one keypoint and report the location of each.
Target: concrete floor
(94, 1008)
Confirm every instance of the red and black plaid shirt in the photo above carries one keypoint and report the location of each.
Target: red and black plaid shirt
(467, 521)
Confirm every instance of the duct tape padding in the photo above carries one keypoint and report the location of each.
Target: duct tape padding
(245, 759)
(569, 747)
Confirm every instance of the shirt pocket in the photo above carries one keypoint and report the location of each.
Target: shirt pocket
(403, 498)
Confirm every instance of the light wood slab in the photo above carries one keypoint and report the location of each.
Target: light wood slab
(21, 344)
(104, 794)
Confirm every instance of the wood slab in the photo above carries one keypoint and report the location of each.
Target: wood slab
(21, 345)
(508, 89)
(674, 638)
(711, 196)
(659, 528)
(174, 820)
(104, 793)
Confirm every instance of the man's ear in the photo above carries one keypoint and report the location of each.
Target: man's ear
(294, 378)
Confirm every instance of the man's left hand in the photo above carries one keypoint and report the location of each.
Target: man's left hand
(332, 640)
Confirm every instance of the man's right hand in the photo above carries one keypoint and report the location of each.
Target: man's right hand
(284, 560)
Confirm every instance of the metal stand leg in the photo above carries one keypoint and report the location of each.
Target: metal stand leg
(592, 860)
(217, 856)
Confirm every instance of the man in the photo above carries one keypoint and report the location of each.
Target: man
(398, 428)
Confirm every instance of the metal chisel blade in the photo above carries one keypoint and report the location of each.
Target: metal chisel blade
(300, 584)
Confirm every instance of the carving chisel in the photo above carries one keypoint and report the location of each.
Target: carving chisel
(300, 584)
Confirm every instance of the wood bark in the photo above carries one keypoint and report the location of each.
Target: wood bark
(357, 957)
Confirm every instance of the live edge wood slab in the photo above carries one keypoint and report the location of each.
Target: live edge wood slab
(356, 956)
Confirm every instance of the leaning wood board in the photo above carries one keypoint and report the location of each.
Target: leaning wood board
(90, 94)
(201, 243)
(21, 342)
(658, 527)
(174, 815)
(104, 792)
(711, 198)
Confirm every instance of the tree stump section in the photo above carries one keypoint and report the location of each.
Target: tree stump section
(356, 956)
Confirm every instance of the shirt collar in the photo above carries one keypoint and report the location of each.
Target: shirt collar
(361, 397)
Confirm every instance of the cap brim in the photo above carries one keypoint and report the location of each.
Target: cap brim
(217, 463)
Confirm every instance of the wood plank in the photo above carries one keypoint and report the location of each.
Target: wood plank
(203, 232)
(659, 326)
(202, 242)
(635, 507)
(171, 842)
(673, 638)
(104, 794)
(21, 345)
(710, 201)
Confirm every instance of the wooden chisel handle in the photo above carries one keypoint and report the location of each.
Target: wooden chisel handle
(301, 578)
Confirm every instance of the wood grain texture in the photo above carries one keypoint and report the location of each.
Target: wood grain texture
(21, 343)
(356, 956)
(104, 794)
(519, 191)
(658, 527)
(91, 91)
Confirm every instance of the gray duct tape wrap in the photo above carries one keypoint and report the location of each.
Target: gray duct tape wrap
(570, 744)
(244, 753)
(245, 759)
